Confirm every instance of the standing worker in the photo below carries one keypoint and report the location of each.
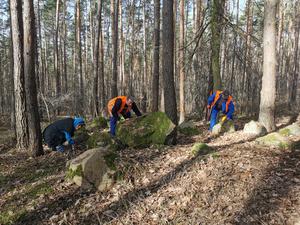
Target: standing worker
(220, 101)
(120, 106)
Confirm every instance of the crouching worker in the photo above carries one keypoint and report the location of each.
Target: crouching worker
(120, 106)
(220, 101)
(62, 131)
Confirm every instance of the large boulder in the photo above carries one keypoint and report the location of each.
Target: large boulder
(93, 168)
(102, 139)
(188, 128)
(98, 123)
(275, 140)
(140, 132)
(291, 130)
(255, 128)
(227, 126)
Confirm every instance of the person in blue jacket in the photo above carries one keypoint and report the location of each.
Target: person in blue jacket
(220, 101)
(61, 131)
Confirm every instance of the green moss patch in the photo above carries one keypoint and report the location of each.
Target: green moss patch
(275, 140)
(11, 215)
(201, 149)
(189, 131)
(72, 173)
(146, 130)
(110, 160)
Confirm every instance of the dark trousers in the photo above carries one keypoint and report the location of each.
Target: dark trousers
(113, 123)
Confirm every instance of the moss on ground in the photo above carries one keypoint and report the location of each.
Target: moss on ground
(72, 173)
(11, 212)
(189, 131)
(110, 160)
(201, 149)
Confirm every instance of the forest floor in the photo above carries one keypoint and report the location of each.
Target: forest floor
(236, 183)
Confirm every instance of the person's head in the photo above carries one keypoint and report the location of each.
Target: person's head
(225, 94)
(78, 123)
(129, 100)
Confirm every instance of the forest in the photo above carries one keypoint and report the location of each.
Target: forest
(149, 112)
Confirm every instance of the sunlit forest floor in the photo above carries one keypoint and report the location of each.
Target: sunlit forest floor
(236, 183)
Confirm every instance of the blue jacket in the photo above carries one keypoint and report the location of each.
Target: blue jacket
(230, 111)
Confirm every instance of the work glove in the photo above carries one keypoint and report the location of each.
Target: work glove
(60, 148)
(223, 119)
(71, 141)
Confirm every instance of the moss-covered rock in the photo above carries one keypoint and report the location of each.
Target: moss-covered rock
(275, 140)
(254, 128)
(98, 123)
(291, 130)
(95, 167)
(201, 149)
(220, 128)
(188, 128)
(102, 139)
(81, 136)
(153, 128)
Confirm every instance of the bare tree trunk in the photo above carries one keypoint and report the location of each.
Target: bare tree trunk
(267, 103)
(296, 58)
(181, 63)
(96, 60)
(168, 60)
(56, 55)
(144, 77)
(234, 48)
(156, 44)
(65, 47)
(79, 57)
(216, 28)
(114, 13)
(35, 137)
(19, 89)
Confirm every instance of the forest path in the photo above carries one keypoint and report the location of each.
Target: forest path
(238, 183)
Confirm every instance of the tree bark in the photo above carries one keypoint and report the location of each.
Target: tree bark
(19, 88)
(114, 13)
(267, 103)
(96, 59)
(56, 55)
(156, 45)
(35, 137)
(181, 63)
(168, 61)
(216, 29)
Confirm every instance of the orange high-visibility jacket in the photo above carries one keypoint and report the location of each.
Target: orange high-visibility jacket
(218, 93)
(112, 102)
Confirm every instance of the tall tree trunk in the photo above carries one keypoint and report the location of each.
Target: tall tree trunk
(145, 64)
(19, 88)
(114, 13)
(56, 55)
(234, 48)
(96, 59)
(65, 47)
(267, 103)
(35, 137)
(41, 70)
(79, 57)
(296, 57)
(216, 29)
(156, 44)
(168, 60)
(181, 63)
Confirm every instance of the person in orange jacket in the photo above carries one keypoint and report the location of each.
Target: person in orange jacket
(220, 101)
(120, 106)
